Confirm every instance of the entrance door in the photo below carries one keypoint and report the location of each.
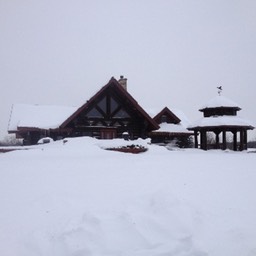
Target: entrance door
(108, 134)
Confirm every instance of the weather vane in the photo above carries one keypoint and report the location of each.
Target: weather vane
(219, 90)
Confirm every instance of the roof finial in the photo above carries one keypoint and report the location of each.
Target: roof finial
(219, 90)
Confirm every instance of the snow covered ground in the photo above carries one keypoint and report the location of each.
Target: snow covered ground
(77, 199)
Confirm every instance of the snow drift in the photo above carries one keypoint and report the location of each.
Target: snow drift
(77, 199)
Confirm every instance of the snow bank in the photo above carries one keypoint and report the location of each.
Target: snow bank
(76, 199)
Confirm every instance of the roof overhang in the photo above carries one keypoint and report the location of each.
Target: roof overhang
(161, 133)
(221, 107)
(223, 127)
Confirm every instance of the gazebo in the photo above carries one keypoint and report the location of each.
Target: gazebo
(220, 117)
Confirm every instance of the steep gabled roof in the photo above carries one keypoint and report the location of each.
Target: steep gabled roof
(166, 111)
(175, 127)
(121, 91)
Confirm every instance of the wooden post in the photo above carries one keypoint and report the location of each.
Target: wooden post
(217, 140)
(224, 140)
(241, 147)
(203, 140)
(245, 139)
(235, 140)
(196, 140)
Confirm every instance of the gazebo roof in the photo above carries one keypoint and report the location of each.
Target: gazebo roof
(220, 102)
(221, 121)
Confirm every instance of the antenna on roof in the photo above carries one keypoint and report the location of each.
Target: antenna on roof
(219, 90)
(9, 122)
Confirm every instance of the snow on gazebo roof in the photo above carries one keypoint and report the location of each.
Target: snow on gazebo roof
(217, 121)
(220, 101)
(38, 116)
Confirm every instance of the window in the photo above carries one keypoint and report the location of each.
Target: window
(163, 119)
(121, 114)
(113, 105)
(103, 104)
(94, 113)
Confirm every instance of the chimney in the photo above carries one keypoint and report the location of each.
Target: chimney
(123, 82)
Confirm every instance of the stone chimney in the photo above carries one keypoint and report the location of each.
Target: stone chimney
(123, 82)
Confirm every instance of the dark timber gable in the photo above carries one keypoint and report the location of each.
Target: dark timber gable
(108, 114)
(166, 116)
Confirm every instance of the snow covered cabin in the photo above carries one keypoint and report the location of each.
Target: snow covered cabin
(173, 128)
(220, 117)
(109, 114)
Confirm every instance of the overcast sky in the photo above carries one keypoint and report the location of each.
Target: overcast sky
(173, 52)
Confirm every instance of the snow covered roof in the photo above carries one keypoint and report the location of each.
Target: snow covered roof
(185, 122)
(172, 128)
(221, 121)
(220, 101)
(38, 116)
(181, 127)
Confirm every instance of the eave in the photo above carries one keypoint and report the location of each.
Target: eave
(171, 133)
(224, 127)
(220, 107)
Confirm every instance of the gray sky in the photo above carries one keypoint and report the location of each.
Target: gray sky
(174, 52)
